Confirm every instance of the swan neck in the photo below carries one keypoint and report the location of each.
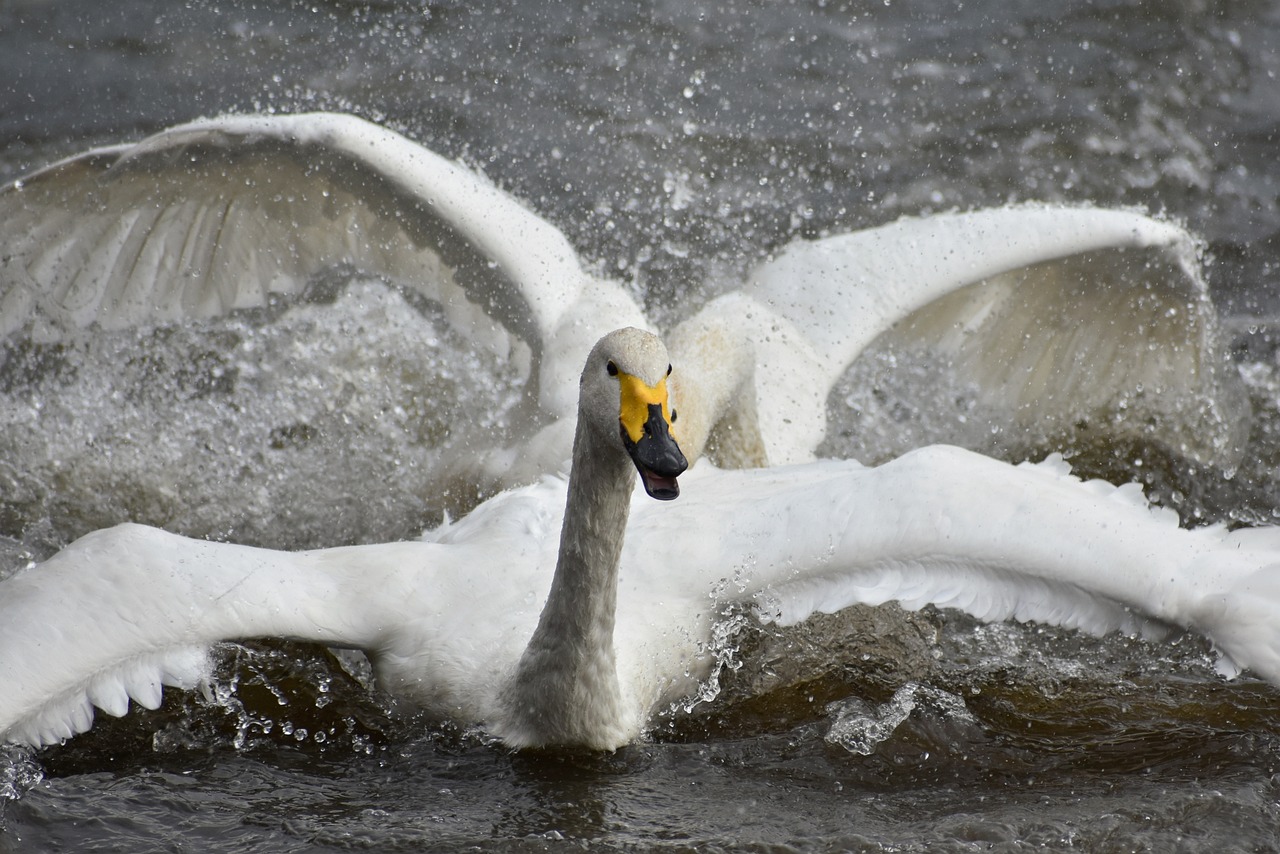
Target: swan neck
(583, 594)
(565, 689)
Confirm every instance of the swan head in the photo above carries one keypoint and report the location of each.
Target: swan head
(623, 399)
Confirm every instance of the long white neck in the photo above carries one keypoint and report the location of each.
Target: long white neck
(565, 689)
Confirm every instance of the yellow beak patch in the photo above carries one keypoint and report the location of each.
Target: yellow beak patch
(637, 397)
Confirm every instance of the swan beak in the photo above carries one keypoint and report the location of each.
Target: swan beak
(646, 434)
(657, 456)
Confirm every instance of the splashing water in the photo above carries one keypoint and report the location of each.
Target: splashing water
(301, 425)
(19, 771)
(859, 727)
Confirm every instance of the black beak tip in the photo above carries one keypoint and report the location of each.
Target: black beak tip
(658, 486)
(657, 457)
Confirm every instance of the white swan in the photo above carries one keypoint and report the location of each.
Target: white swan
(221, 214)
(474, 625)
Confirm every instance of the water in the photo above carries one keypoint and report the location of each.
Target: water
(676, 144)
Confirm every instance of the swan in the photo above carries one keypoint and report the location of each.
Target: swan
(229, 213)
(535, 618)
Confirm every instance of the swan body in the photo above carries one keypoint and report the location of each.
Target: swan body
(227, 213)
(551, 627)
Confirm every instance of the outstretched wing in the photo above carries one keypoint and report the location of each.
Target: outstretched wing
(952, 528)
(123, 611)
(222, 214)
(940, 526)
(1056, 315)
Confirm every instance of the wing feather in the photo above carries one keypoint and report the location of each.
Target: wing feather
(1057, 316)
(221, 214)
(123, 612)
(951, 528)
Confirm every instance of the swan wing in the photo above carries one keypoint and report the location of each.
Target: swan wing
(1056, 314)
(225, 213)
(123, 611)
(948, 527)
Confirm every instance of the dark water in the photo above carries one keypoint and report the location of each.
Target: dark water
(677, 144)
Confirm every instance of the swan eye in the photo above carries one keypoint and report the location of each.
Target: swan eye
(673, 416)
(611, 368)
(668, 370)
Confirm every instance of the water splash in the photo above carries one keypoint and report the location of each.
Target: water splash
(299, 425)
(723, 650)
(19, 771)
(266, 694)
(860, 728)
